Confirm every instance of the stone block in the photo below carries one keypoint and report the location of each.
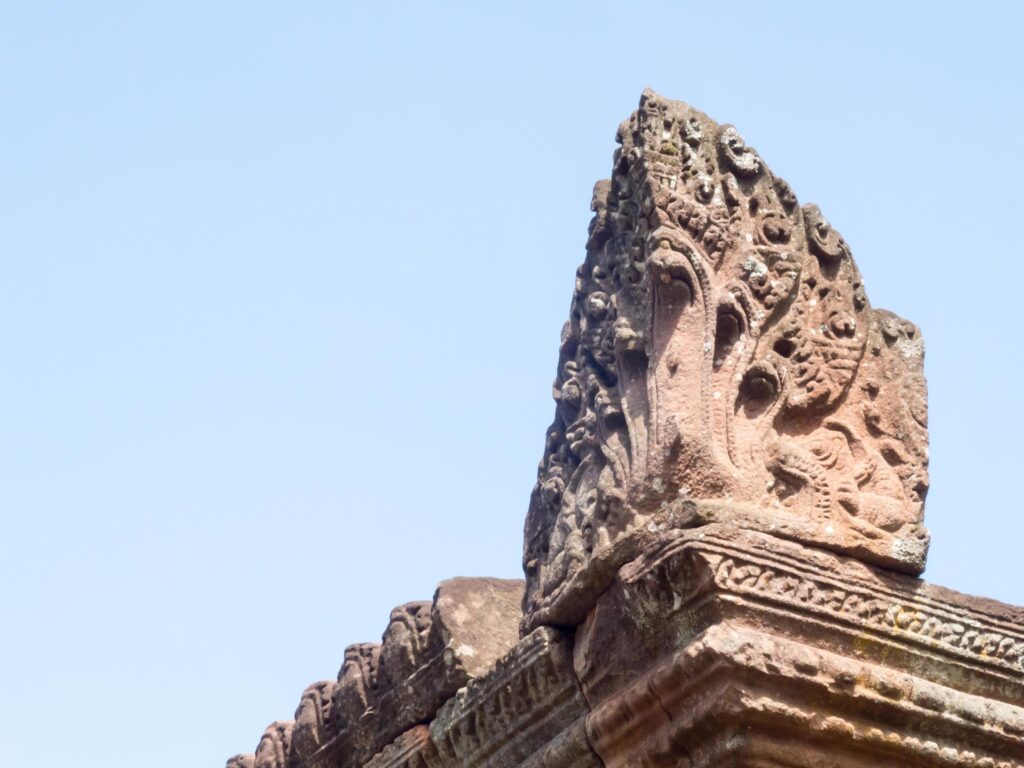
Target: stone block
(732, 647)
(528, 700)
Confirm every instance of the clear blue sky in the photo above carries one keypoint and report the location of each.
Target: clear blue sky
(282, 288)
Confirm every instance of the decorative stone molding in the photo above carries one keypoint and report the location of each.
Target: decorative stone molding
(275, 745)
(384, 691)
(722, 544)
(721, 363)
(738, 696)
(413, 749)
(527, 701)
(770, 639)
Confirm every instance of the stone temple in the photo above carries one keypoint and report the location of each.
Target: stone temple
(722, 546)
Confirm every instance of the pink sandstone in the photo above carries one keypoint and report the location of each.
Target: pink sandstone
(722, 546)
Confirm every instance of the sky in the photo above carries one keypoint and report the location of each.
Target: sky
(282, 291)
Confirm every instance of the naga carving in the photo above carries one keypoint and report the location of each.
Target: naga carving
(722, 363)
(739, 439)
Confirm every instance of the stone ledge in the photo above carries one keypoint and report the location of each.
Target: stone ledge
(527, 701)
(739, 695)
(691, 580)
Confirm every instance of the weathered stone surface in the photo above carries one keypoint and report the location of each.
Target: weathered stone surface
(358, 685)
(524, 703)
(570, 749)
(729, 644)
(693, 579)
(472, 623)
(275, 745)
(313, 721)
(737, 696)
(428, 652)
(406, 642)
(722, 542)
(721, 364)
(413, 749)
(475, 620)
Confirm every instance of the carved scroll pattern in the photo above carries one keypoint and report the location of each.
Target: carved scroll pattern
(491, 718)
(677, 581)
(885, 613)
(721, 346)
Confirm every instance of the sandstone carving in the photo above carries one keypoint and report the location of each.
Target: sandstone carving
(722, 363)
(405, 643)
(494, 721)
(729, 645)
(722, 546)
(313, 721)
(413, 749)
(357, 687)
(275, 745)
(384, 691)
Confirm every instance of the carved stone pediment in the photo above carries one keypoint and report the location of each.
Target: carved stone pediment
(721, 363)
(722, 545)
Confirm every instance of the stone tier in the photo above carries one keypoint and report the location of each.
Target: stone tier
(717, 646)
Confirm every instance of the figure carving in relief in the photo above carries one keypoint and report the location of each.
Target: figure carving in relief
(722, 361)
